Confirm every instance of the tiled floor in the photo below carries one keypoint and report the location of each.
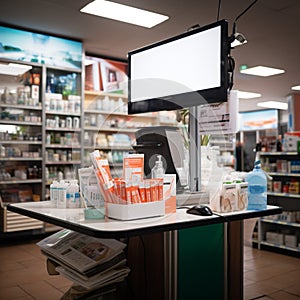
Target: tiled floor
(23, 275)
(269, 275)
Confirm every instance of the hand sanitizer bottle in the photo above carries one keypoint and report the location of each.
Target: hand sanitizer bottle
(158, 170)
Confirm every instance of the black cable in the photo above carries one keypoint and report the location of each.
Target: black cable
(219, 8)
(242, 13)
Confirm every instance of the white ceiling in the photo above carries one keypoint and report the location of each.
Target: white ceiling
(271, 28)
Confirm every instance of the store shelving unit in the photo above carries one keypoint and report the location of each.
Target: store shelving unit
(21, 142)
(32, 143)
(63, 130)
(225, 144)
(282, 231)
(109, 128)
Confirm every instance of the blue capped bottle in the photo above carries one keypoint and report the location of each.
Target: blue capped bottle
(257, 188)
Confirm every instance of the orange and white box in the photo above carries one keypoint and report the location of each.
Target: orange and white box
(169, 193)
(133, 168)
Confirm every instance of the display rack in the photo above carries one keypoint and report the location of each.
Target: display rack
(282, 231)
(21, 144)
(108, 127)
(37, 142)
(225, 144)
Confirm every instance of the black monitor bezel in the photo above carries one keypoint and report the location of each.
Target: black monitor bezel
(193, 98)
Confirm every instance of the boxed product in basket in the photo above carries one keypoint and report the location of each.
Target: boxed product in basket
(132, 196)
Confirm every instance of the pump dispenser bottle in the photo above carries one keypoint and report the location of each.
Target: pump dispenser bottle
(158, 170)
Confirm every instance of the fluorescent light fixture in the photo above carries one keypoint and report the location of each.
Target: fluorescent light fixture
(14, 69)
(248, 95)
(273, 104)
(262, 71)
(123, 13)
(296, 88)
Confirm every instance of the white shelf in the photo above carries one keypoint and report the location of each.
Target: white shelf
(21, 158)
(279, 246)
(63, 129)
(23, 142)
(103, 94)
(105, 112)
(280, 222)
(283, 195)
(111, 129)
(277, 153)
(62, 113)
(59, 146)
(73, 162)
(284, 174)
(121, 148)
(19, 181)
(21, 106)
(10, 122)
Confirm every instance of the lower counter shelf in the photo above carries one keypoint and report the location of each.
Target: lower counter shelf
(280, 246)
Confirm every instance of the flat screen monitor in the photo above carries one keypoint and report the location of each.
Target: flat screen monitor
(258, 120)
(186, 70)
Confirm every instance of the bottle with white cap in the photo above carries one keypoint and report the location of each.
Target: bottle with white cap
(158, 170)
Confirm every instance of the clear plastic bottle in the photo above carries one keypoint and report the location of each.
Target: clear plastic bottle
(158, 170)
(73, 196)
(257, 188)
(54, 193)
(62, 194)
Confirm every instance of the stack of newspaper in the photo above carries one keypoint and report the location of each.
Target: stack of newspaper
(90, 262)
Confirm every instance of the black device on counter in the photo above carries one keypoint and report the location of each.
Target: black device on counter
(166, 141)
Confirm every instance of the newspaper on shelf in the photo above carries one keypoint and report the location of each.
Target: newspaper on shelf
(85, 254)
(97, 281)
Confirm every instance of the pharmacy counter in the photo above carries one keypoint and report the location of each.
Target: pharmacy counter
(183, 250)
(108, 228)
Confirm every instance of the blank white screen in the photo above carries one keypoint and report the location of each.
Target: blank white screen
(189, 64)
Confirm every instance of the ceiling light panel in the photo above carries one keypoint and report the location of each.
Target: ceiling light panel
(124, 13)
(296, 88)
(273, 104)
(248, 95)
(262, 71)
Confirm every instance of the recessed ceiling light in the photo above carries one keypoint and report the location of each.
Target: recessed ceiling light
(123, 13)
(296, 88)
(273, 104)
(262, 71)
(248, 95)
(14, 69)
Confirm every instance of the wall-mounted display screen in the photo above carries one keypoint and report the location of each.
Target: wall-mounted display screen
(258, 120)
(26, 46)
(186, 70)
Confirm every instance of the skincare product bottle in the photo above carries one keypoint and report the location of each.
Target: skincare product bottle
(158, 170)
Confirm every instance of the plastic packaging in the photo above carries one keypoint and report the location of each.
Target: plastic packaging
(158, 170)
(257, 188)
